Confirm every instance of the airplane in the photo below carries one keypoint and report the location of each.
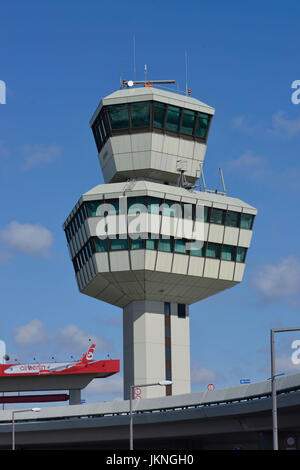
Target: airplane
(84, 365)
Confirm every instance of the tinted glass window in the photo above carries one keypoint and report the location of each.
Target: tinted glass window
(104, 133)
(232, 219)
(165, 245)
(159, 110)
(137, 244)
(216, 216)
(111, 207)
(228, 253)
(197, 248)
(101, 245)
(151, 244)
(119, 244)
(173, 118)
(154, 205)
(202, 125)
(201, 213)
(136, 205)
(188, 121)
(171, 208)
(118, 115)
(94, 208)
(247, 221)
(179, 246)
(213, 250)
(240, 254)
(140, 114)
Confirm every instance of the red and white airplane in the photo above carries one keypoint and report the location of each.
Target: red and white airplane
(84, 365)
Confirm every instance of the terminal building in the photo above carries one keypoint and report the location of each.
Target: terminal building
(151, 240)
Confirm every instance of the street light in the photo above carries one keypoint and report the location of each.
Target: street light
(13, 422)
(162, 383)
(274, 396)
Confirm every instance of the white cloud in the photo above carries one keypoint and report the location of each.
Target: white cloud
(33, 332)
(36, 155)
(201, 375)
(254, 166)
(277, 280)
(284, 127)
(68, 339)
(281, 125)
(27, 238)
(71, 337)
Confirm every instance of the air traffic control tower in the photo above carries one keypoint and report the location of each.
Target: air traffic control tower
(151, 240)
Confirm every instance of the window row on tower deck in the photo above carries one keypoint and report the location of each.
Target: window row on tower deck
(170, 245)
(164, 207)
(149, 116)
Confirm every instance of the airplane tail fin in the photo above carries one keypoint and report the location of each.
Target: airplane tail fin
(89, 355)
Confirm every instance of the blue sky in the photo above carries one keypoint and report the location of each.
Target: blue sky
(58, 59)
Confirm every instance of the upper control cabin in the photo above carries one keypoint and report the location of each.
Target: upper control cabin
(151, 134)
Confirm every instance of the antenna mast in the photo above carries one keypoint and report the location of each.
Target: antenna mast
(134, 64)
(186, 75)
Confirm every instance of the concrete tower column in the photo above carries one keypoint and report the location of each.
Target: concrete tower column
(156, 346)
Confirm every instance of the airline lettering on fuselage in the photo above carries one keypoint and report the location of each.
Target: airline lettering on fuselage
(32, 368)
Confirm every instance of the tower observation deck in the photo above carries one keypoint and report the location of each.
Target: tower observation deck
(148, 240)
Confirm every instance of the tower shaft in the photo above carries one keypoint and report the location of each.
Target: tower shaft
(156, 346)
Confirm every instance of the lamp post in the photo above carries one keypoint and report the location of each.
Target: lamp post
(274, 396)
(132, 387)
(13, 422)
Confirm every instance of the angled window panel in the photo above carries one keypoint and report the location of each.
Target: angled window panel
(137, 244)
(119, 244)
(165, 244)
(232, 219)
(101, 245)
(216, 216)
(228, 252)
(180, 246)
(197, 248)
(173, 118)
(213, 250)
(159, 111)
(140, 114)
(111, 207)
(93, 208)
(136, 205)
(202, 125)
(119, 116)
(154, 205)
(247, 221)
(241, 254)
(151, 243)
(188, 122)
